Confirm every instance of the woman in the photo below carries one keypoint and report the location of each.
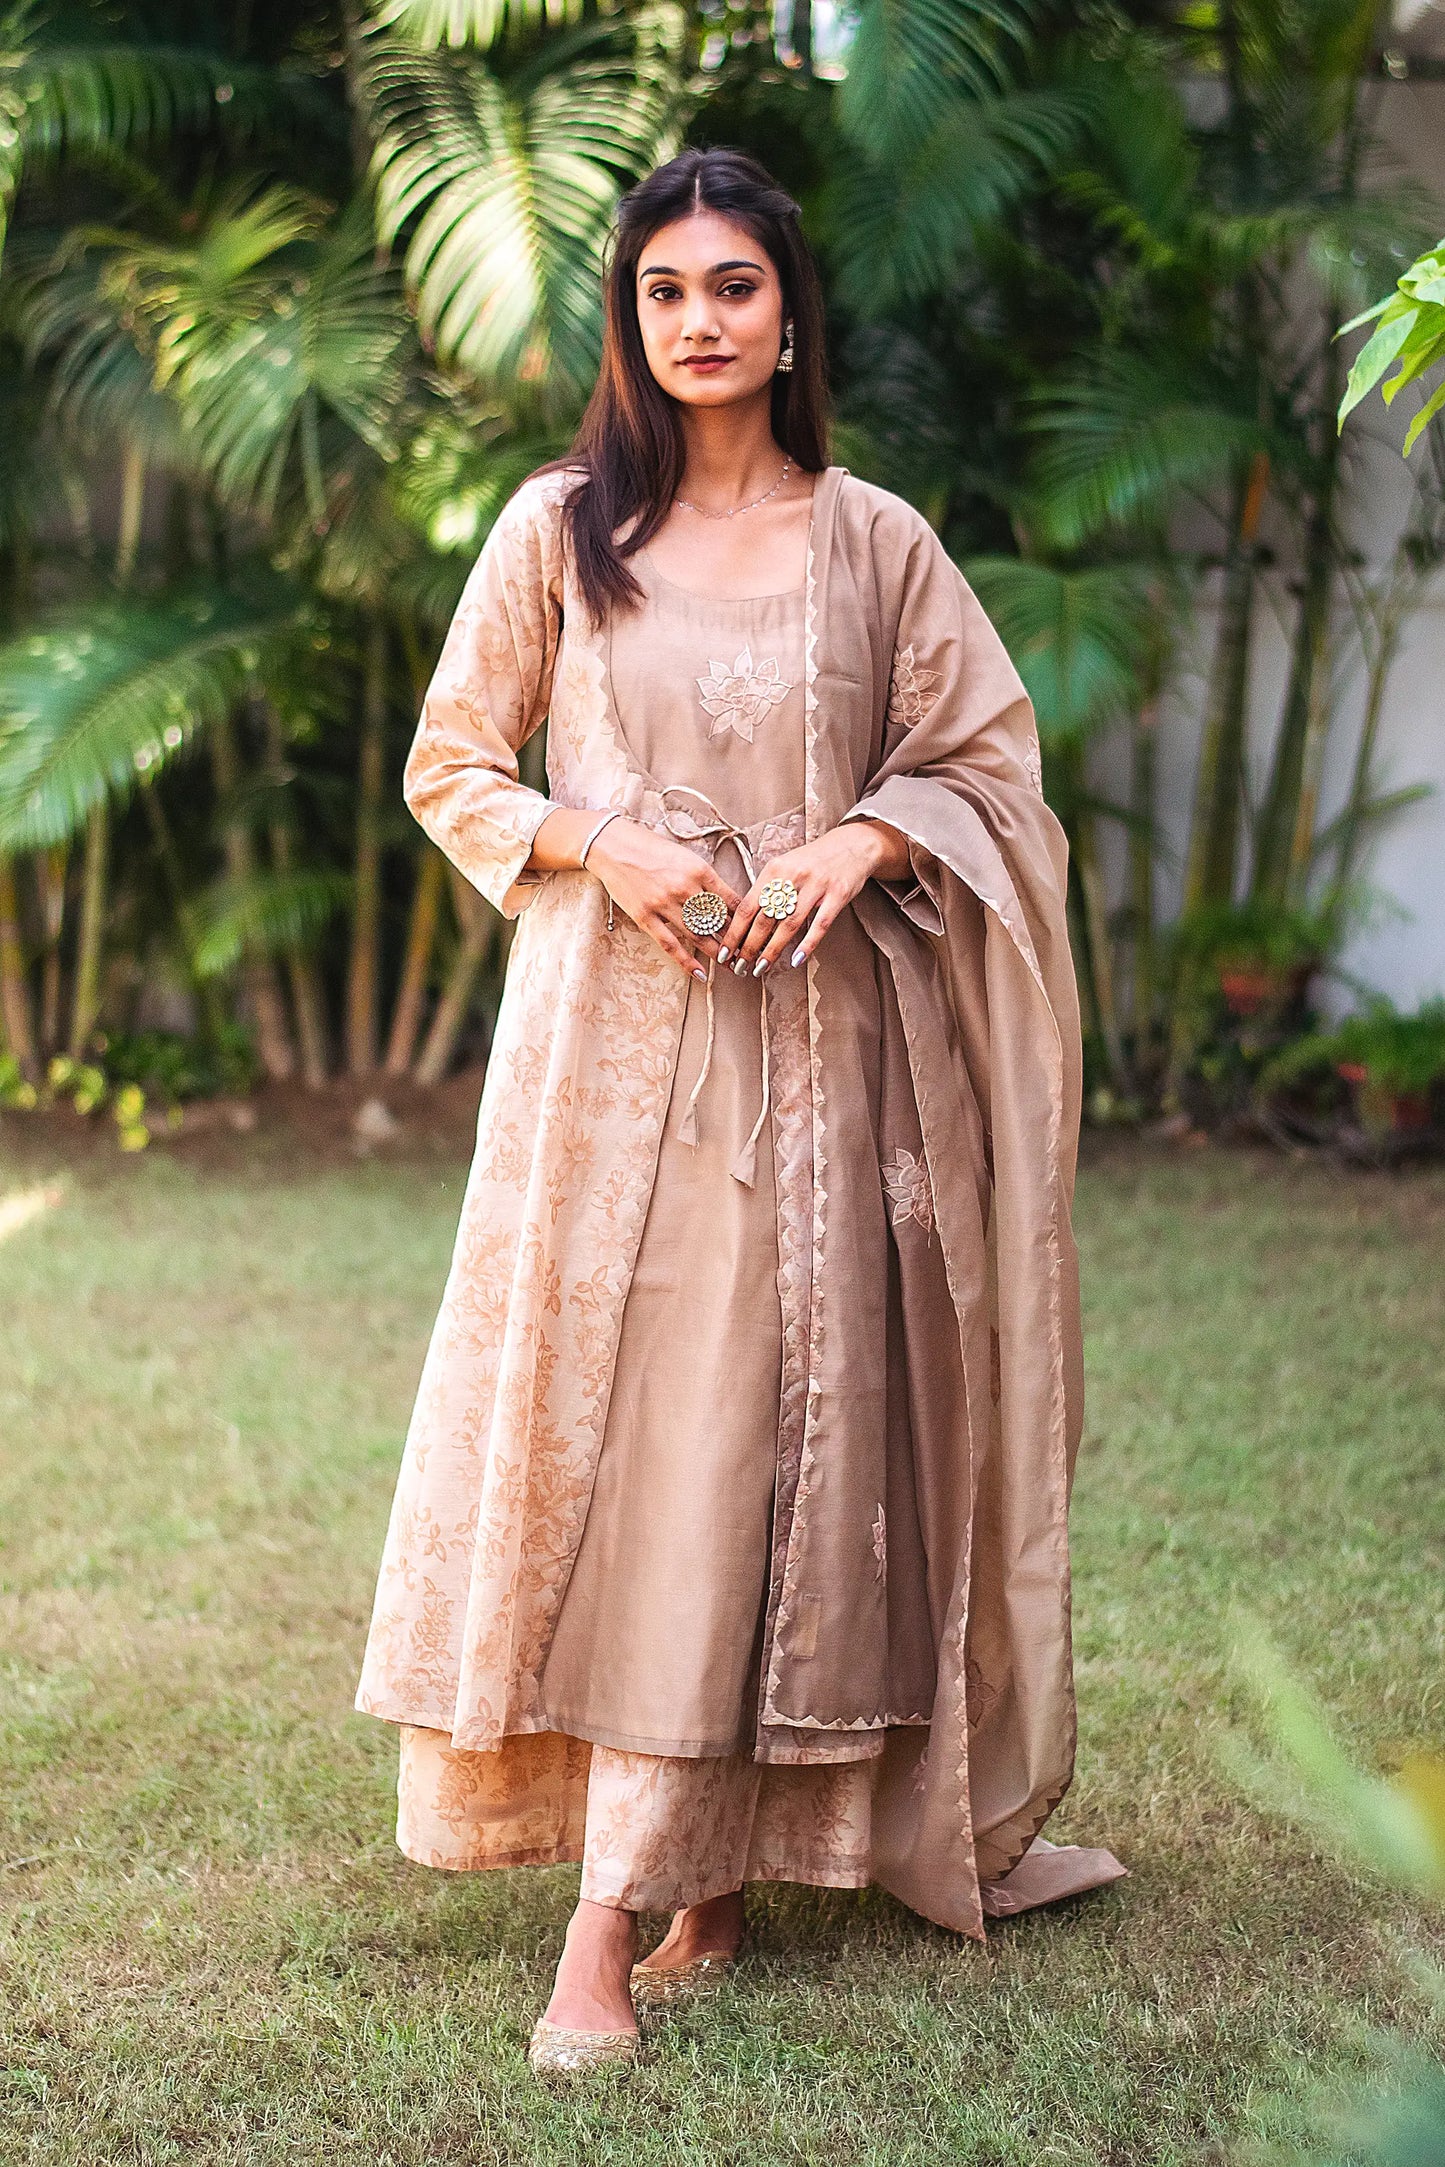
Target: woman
(730, 1539)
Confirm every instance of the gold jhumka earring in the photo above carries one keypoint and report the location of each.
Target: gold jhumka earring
(785, 358)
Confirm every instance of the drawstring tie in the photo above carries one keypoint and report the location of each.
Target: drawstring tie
(745, 1165)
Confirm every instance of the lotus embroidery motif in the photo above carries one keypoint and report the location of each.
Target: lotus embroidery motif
(906, 1180)
(912, 691)
(743, 696)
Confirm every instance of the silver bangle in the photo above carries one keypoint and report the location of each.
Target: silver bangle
(615, 814)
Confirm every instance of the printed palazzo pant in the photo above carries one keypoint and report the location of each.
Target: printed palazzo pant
(654, 1832)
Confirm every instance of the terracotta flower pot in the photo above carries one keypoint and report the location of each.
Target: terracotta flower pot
(1251, 987)
(1410, 1110)
(1381, 1108)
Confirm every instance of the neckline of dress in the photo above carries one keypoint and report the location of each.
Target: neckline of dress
(695, 594)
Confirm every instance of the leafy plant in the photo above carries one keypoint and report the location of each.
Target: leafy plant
(1395, 1053)
(1395, 1826)
(1256, 934)
(1409, 337)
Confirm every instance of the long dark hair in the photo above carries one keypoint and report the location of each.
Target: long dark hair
(629, 446)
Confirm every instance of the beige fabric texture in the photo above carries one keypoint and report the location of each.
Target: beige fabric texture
(925, 1074)
(650, 1653)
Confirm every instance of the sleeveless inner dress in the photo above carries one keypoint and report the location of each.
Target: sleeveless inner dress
(658, 1639)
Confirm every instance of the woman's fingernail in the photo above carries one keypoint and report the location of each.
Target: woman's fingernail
(760, 966)
(800, 955)
(700, 974)
(722, 955)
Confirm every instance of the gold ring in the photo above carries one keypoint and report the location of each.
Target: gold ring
(777, 899)
(705, 913)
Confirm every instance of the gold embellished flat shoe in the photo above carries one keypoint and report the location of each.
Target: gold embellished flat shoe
(556, 2052)
(659, 1986)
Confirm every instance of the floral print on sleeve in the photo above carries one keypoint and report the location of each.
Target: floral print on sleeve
(490, 691)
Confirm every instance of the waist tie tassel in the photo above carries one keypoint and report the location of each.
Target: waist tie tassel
(745, 1166)
(687, 1127)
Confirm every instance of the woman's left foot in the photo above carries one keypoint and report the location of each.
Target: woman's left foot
(698, 1952)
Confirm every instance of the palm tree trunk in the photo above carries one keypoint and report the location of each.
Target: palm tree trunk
(1289, 799)
(420, 941)
(308, 998)
(209, 1012)
(478, 926)
(1143, 792)
(50, 868)
(1100, 945)
(85, 995)
(1213, 859)
(14, 987)
(261, 989)
(90, 940)
(1418, 548)
(361, 983)
(132, 513)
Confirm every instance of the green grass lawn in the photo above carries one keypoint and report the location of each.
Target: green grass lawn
(211, 1950)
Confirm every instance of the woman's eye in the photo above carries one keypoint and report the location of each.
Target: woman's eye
(737, 289)
(662, 293)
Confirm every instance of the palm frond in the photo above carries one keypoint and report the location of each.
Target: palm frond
(429, 23)
(101, 378)
(506, 191)
(898, 231)
(267, 324)
(1080, 640)
(911, 60)
(64, 99)
(265, 914)
(1122, 437)
(90, 708)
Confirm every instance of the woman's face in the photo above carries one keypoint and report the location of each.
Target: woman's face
(710, 305)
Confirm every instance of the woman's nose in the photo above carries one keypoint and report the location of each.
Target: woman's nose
(699, 318)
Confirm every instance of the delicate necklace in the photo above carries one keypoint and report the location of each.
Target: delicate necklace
(777, 485)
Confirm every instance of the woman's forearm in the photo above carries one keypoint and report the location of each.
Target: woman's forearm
(892, 861)
(557, 844)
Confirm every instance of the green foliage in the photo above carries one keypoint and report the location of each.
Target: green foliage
(97, 705)
(1396, 1826)
(1394, 1052)
(915, 63)
(505, 184)
(1276, 936)
(266, 915)
(273, 323)
(174, 1068)
(1409, 337)
(1080, 639)
(61, 98)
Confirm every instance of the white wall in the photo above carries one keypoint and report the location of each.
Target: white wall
(1402, 953)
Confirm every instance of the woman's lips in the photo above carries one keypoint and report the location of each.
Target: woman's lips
(707, 364)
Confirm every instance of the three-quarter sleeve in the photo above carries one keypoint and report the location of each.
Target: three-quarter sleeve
(490, 691)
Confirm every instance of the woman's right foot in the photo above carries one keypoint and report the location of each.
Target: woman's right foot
(592, 1993)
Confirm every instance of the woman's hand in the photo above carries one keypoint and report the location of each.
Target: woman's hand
(827, 874)
(650, 876)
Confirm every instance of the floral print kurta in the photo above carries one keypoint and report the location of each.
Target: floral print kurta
(917, 1606)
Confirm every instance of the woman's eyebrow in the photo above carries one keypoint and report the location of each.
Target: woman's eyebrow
(734, 263)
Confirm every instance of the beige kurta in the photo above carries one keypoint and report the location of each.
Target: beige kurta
(657, 1640)
(926, 1074)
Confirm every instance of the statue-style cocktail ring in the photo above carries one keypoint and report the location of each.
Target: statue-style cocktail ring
(705, 913)
(777, 899)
